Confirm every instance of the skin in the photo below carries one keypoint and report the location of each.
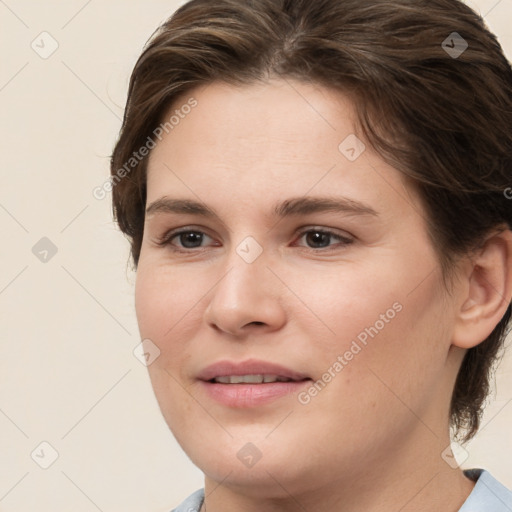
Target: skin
(372, 439)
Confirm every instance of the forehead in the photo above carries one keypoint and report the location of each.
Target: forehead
(290, 116)
(268, 141)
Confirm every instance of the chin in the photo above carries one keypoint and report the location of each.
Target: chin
(254, 465)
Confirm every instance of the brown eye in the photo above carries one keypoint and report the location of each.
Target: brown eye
(320, 239)
(190, 239)
(185, 240)
(317, 238)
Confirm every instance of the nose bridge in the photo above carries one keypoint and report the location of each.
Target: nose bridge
(245, 294)
(246, 273)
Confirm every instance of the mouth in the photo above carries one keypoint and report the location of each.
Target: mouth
(250, 383)
(251, 379)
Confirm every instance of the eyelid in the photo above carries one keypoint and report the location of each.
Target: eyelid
(322, 229)
(344, 239)
(168, 235)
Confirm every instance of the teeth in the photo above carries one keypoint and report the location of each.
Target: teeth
(250, 379)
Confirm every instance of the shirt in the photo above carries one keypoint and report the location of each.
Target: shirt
(488, 495)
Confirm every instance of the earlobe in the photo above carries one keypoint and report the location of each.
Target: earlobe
(486, 291)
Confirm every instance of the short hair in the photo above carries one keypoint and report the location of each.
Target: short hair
(431, 88)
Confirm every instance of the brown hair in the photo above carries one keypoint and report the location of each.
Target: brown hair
(444, 120)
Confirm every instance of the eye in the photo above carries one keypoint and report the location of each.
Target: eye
(321, 238)
(187, 239)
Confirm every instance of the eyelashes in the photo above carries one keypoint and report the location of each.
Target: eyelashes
(321, 236)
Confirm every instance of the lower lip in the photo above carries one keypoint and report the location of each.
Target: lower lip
(251, 395)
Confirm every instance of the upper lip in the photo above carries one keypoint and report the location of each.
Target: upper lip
(249, 367)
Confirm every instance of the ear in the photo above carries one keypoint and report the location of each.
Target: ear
(485, 291)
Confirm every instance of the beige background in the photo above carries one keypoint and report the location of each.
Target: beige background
(68, 374)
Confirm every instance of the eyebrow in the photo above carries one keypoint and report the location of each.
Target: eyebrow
(287, 208)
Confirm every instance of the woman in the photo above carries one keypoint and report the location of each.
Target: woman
(315, 195)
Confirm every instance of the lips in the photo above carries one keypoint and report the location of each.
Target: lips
(249, 367)
(224, 383)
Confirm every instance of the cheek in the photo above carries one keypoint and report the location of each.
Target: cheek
(403, 356)
(164, 301)
(169, 311)
(344, 304)
(379, 324)
(164, 310)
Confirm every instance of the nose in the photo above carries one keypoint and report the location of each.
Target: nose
(247, 299)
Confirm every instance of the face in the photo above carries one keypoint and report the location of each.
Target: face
(276, 244)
